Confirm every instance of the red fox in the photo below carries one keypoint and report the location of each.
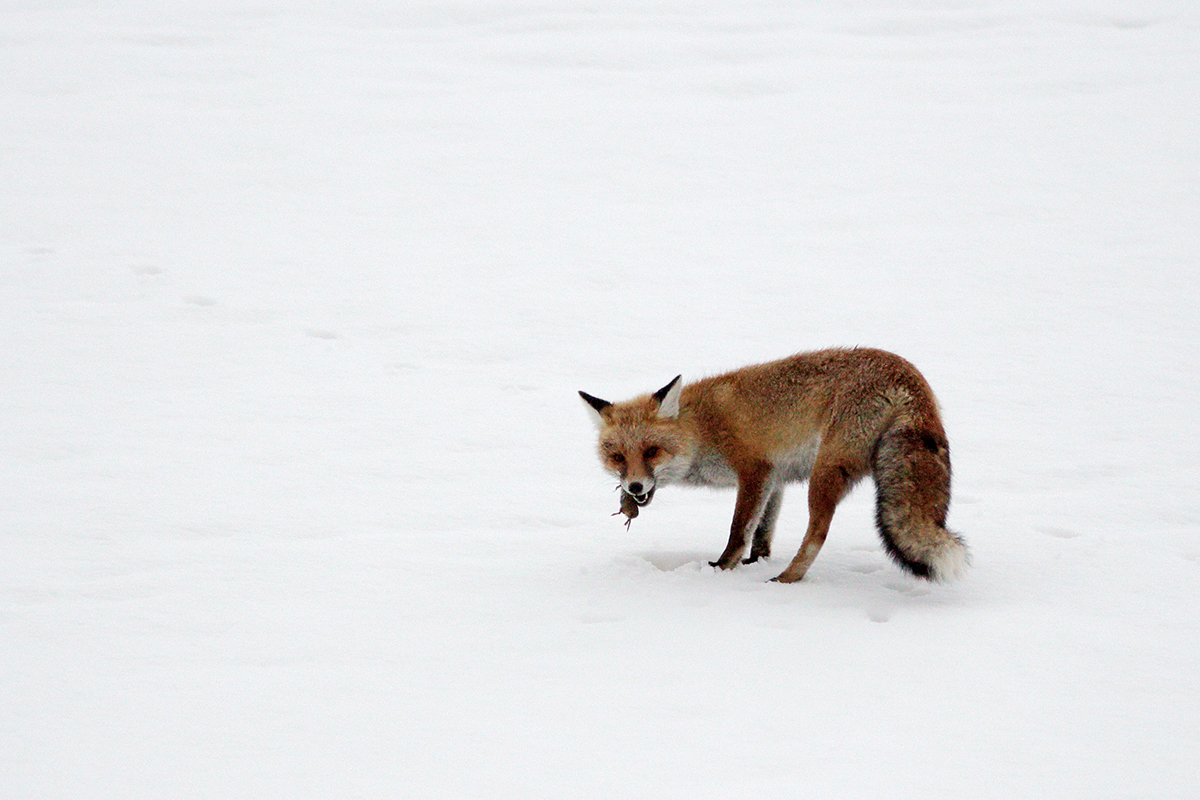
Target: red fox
(829, 417)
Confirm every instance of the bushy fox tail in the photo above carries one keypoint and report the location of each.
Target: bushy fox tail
(912, 484)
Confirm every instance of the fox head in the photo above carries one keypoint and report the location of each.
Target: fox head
(641, 440)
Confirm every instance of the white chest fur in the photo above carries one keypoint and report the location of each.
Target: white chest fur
(709, 468)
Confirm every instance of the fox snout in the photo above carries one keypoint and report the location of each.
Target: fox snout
(641, 491)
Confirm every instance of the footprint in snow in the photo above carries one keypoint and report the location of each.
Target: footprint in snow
(910, 589)
(1058, 533)
(879, 614)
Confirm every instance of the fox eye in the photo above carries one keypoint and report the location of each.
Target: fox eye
(650, 453)
(617, 458)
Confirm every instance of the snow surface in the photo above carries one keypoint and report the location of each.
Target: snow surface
(298, 499)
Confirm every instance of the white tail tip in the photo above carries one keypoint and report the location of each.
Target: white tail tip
(951, 563)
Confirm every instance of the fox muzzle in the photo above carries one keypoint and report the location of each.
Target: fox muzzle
(638, 491)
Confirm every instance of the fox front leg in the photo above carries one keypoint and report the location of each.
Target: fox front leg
(753, 493)
(761, 546)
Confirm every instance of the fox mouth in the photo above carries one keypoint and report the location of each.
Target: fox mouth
(641, 499)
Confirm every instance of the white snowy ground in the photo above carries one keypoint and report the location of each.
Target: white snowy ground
(298, 500)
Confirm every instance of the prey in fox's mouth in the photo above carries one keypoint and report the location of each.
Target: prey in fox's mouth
(631, 503)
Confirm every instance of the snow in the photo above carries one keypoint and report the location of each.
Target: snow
(298, 499)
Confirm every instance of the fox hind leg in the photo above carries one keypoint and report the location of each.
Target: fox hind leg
(827, 486)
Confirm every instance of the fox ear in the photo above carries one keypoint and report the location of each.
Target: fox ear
(668, 398)
(595, 407)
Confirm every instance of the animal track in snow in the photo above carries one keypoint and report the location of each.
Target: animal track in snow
(878, 613)
(910, 589)
(1058, 533)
